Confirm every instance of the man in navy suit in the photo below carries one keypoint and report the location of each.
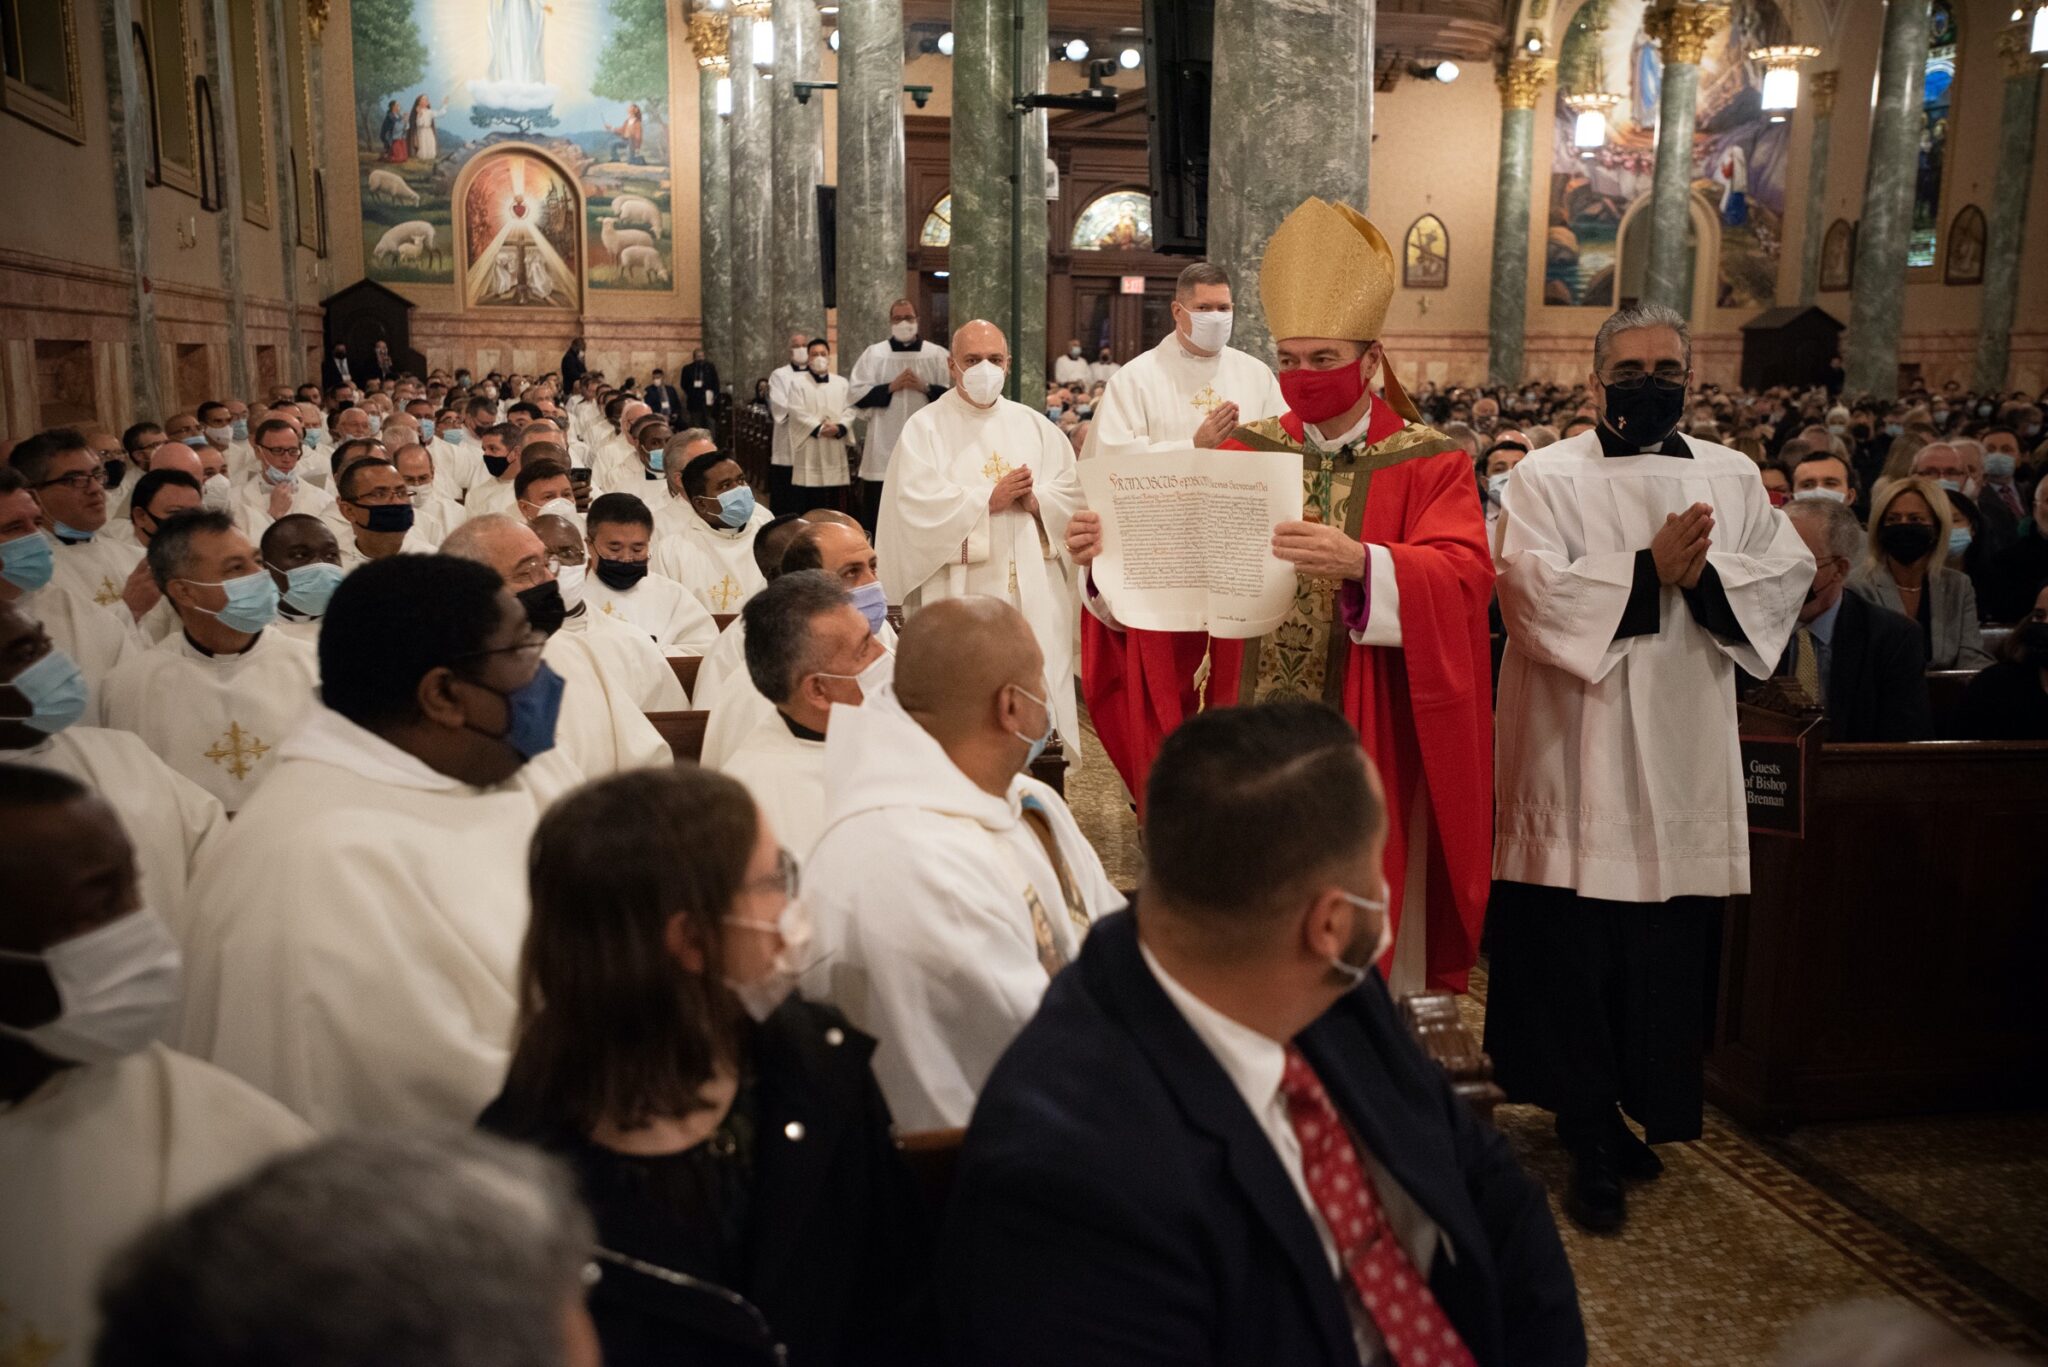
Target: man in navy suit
(1217, 1142)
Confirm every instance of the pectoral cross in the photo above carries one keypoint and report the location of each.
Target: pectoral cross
(995, 467)
(239, 750)
(107, 594)
(1208, 399)
(724, 594)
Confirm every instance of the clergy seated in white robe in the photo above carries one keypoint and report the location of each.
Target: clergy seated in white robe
(938, 536)
(82, 630)
(817, 409)
(493, 493)
(1622, 822)
(351, 945)
(1070, 367)
(256, 507)
(631, 662)
(623, 586)
(97, 569)
(377, 517)
(603, 728)
(888, 400)
(945, 899)
(434, 514)
(458, 466)
(705, 539)
(306, 563)
(1163, 396)
(101, 1130)
(811, 655)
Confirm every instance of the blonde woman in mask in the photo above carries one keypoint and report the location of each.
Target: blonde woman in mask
(727, 1134)
(1908, 572)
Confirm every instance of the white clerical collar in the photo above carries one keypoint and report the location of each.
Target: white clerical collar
(1255, 1063)
(327, 737)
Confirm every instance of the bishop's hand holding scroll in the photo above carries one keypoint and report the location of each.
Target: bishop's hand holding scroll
(1185, 539)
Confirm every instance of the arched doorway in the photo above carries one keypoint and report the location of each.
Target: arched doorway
(1632, 263)
(518, 218)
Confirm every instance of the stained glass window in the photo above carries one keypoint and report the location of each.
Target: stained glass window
(1119, 221)
(938, 224)
(1935, 106)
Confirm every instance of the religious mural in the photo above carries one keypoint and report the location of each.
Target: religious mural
(1966, 248)
(1738, 156)
(519, 222)
(1118, 221)
(1426, 255)
(440, 83)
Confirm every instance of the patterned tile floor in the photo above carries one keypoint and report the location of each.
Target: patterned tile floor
(1744, 1234)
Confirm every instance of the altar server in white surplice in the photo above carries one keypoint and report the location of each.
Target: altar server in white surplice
(978, 499)
(102, 1131)
(628, 657)
(818, 410)
(948, 886)
(812, 654)
(603, 729)
(169, 818)
(705, 539)
(1639, 569)
(623, 586)
(216, 697)
(351, 944)
(892, 382)
(1193, 386)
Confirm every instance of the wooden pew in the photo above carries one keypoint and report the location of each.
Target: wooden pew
(1995, 639)
(1884, 964)
(1945, 688)
(684, 732)
(685, 668)
(722, 620)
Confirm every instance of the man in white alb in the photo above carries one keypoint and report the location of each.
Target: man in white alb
(218, 696)
(978, 501)
(630, 660)
(809, 653)
(711, 550)
(88, 633)
(63, 475)
(1639, 569)
(780, 460)
(950, 885)
(817, 410)
(1071, 367)
(622, 584)
(434, 514)
(892, 381)
(1192, 387)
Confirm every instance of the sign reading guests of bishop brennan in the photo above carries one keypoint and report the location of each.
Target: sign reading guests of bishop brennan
(441, 84)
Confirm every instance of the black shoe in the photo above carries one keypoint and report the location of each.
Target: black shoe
(1594, 1199)
(1633, 1158)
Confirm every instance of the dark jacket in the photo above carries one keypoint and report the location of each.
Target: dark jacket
(330, 372)
(573, 368)
(1877, 676)
(2014, 576)
(700, 385)
(836, 1247)
(664, 399)
(1116, 1202)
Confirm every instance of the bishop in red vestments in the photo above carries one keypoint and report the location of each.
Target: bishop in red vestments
(1390, 614)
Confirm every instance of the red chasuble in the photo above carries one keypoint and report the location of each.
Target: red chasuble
(1422, 708)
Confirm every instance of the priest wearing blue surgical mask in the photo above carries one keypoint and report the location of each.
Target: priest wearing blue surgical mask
(218, 696)
(279, 486)
(304, 561)
(706, 541)
(103, 1130)
(949, 884)
(94, 637)
(810, 652)
(352, 943)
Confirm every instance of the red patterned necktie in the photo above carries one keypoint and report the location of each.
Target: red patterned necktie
(1416, 1331)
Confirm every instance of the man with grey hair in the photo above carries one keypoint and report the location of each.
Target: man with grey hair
(443, 1250)
(809, 649)
(1865, 664)
(1638, 570)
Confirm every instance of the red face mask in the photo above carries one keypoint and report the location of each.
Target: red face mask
(1779, 498)
(1316, 396)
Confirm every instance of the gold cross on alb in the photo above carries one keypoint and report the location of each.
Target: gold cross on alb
(1208, 399)
(995, 467)
(724, 594)
(107, 594)
(239, 750)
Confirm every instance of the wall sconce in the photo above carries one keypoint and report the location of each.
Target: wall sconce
(763, 47)
(1781, 77)
(1589, 129)
(723, 98)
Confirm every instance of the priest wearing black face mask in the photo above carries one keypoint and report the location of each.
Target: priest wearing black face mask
(621, 585)
(602, 727)
(1639, 569)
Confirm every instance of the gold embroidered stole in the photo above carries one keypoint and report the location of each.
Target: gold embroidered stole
(1304, 656)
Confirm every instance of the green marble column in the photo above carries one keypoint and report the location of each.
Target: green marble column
(872, 236)
(987, 65)
(1877, 300)
(286, 198)
(710, 38)
(758, 345)
(2007, 228)
(1681, 32)
(1291, 117)
(798, 144)
(1820, 92)
(128, 131)
(213, 30)
(1521, 82)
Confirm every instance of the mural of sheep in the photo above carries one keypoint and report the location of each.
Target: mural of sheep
(391, 187)
(414, 233)
(632, 209)
(617, 240)
(644, 263)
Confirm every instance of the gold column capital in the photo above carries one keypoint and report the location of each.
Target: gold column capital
(710, 39)
(1521, 81)
(1821, 85)
(1681, 28)
(2013, 52)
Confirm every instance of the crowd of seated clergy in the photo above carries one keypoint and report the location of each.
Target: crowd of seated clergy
(408, 635)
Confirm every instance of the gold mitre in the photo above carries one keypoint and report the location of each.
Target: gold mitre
(1327, 273)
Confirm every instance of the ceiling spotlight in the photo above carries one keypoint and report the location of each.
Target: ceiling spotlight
(1532, 42)
(1129, 58)
(832, 40)
(1445, 71)
(828, 9)
(946, 43)
(1076, 49)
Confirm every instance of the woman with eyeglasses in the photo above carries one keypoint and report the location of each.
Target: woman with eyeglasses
(728, 1135)
(1908, 571)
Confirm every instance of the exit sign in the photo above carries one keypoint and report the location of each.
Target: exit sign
(1134, 284)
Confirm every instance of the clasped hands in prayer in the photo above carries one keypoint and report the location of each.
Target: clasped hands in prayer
(1680, 546)
(1313, 548)
(1014, 488)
